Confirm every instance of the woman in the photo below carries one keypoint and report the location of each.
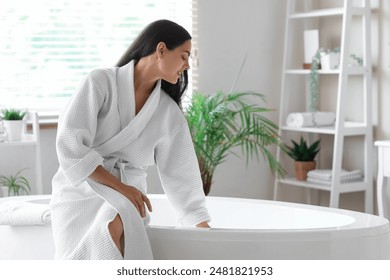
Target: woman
(122, 120)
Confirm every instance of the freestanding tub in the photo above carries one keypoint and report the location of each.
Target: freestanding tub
(242, 229)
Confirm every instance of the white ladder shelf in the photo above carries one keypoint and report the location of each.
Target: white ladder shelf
(342, 128)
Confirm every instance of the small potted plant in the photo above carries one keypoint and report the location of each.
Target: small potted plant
(14, 184)
(13, 123)
(330, 58)
(304, 155)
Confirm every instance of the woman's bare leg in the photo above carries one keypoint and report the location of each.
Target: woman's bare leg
(116, 230)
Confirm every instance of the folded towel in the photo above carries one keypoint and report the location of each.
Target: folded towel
(326, 175)
(18, 213)
(311, 119)
(328, 182)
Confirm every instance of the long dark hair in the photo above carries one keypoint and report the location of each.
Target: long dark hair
(173, 35)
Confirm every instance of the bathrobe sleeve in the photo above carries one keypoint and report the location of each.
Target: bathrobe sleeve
(76, 132)
(180, 176)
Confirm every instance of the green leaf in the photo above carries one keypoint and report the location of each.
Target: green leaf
(303, 151)
(12, 114)
(15, 183)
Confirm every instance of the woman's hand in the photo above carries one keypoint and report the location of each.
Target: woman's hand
(137, 198)
(203, 225)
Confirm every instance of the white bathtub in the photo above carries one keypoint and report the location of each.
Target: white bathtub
(242, 229)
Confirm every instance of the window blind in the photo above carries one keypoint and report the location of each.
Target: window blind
(48, 46)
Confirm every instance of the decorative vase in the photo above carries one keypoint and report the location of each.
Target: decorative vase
(14, 129)
(311, 45)
(302, 167)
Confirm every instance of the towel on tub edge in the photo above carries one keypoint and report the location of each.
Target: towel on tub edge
(22, 213)
(311, 119)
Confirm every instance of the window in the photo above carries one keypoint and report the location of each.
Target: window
(48, 46)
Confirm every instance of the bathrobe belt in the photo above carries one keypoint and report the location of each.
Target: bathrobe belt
(128, 173)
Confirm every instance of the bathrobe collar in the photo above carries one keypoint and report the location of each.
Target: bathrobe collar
(131, 124)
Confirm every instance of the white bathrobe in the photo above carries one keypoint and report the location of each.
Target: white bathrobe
(99, 127)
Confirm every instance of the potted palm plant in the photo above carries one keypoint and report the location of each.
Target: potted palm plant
(13, 123)
(220, 122)
(14, 184)
(304, 155)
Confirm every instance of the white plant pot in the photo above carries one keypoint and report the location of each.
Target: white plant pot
(3, 191)
(14, 130)
(330, 61)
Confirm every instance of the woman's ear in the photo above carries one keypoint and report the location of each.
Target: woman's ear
(160, 49)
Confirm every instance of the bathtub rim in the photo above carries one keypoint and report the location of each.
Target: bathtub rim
(358, 228)
(377, 224)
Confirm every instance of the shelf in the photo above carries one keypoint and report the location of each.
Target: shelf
(28, 140)
(294, 182)
(327, 13)
(307, 71)
(350, 128)
(354, 70)
(319, 13)
(335, 90)
(345, 187)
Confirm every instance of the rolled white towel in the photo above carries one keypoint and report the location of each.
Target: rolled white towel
(310, 119)
(21, 213)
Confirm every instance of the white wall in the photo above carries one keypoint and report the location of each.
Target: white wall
(227, 31)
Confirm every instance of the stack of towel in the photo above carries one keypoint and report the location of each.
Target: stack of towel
(22, 213)
(311, 119)
(324, 176)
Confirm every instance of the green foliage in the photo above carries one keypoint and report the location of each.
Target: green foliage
(313, 82)
(303, 152)
(220, 122)
(15, 183)
(358, 59)
(313, 78)
(12, 114)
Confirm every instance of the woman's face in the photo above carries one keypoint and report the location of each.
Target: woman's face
(174, 62)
